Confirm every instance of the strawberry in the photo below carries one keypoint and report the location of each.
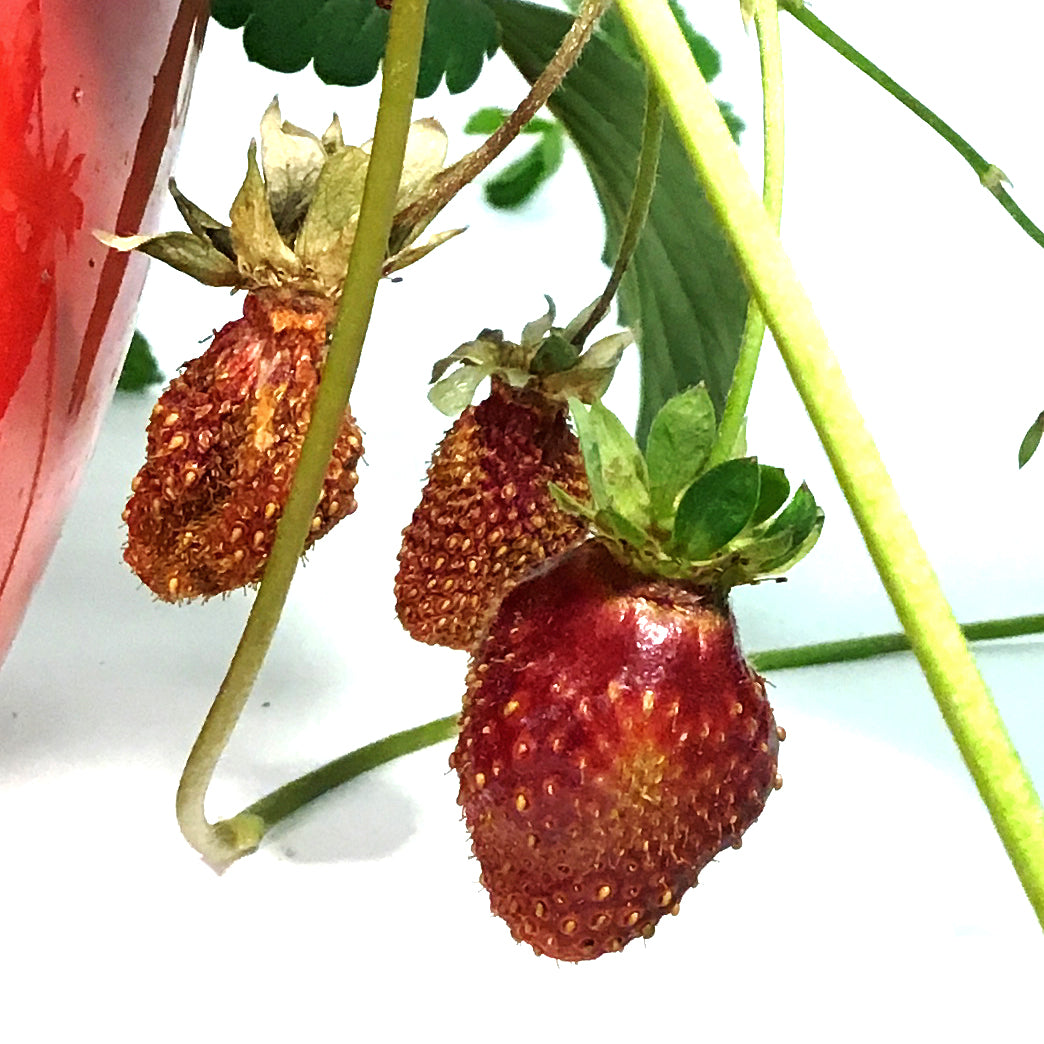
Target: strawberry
(486, 515)
(225, 437)
(223, 445)
(613, 739)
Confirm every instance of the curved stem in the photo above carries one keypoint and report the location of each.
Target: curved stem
(637, 212)
(766, 21)
(222, 843)
(290, 798)
(991, 177)
(467, 168)
(960, 692)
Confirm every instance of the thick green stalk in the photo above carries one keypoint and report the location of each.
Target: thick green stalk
(637, 212)
(989, 175)
(292, 797)
(766, 22)
(222, 843)
(963, 698)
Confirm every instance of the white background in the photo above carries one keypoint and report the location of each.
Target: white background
(872, 901)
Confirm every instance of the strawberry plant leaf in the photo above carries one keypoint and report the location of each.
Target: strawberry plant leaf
(344, 39)
(519, 181)
(140, 369)
(680, 440)
(716, 508)
(683, 291)
(1031, 440)
(774, 492)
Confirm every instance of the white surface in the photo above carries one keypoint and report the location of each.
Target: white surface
(873, 900)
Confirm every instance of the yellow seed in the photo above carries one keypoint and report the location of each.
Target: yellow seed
(540, 909)
(480, 780)
(270, 509)
(648, 701)
(521, 803)
(176, 443)
(509, 708)
(781, 733)
(569, 926)
(604, 892)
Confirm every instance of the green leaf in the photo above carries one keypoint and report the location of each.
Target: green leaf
(716, 507)
(683, 291)
(680, 440)
(1031, 440)
(519, 181)
(345, 38)
(774, 492)
(231, 13)
(140, 369)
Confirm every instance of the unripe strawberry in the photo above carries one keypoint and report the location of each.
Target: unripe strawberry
(613, 739)
(223, 445)
(486, 515)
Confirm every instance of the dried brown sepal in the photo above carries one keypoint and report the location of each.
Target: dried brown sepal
(486, 516)
(222, 448)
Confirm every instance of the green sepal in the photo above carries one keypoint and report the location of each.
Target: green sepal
(801, 521)
(258, 245)
(616, 471)
(774, 492)
(680, 439)
(183, 251)
(203, 226)
(715, 508)
(453, 394)
(555, 355)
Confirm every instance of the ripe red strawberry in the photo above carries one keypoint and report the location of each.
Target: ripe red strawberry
(223, 445)
(486, 515)
(613, 739)
(225, 437)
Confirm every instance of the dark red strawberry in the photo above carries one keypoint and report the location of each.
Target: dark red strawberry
(486, 515)
(613, 738)
(222, 450)
(613, 741)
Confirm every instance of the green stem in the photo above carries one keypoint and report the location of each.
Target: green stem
(766, 21)
(637, 212)
(222, 843)
(467, 168)
(292, 796)
(262, 815)
(991, 177)
(962, 696)
(848, 649)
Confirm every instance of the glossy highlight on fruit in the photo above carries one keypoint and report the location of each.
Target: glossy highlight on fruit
(223, 445)
(613, 741)
(486, 516)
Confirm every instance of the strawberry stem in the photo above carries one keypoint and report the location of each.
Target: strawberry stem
(960, 691)
(468, 167)
(222, 843)
(766, 22)
(290, 798)
(991, 177)
(637, 212)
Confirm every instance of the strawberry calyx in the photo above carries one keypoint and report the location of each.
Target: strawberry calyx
(293, 221)
(545, 360)
(669, 513)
